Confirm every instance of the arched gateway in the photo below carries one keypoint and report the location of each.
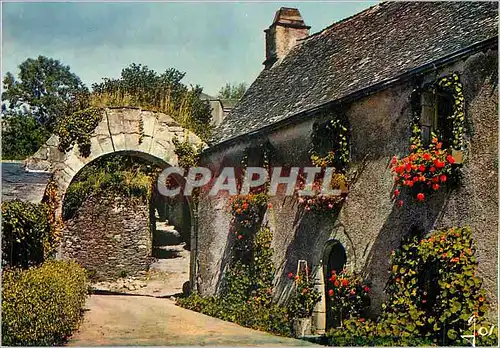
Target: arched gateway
(122, 130)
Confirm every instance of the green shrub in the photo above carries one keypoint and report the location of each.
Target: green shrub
(246, 294)
(433, 291)
(360, 332)
(27, 236)
(433, 288)
(42, 305)
(126, 176)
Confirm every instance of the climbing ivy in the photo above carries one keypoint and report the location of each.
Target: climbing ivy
(247, 292)
(78, 128)
(452, 85)
(188, 155)
(330, 137)
(330, 148)
(449, 84)
(141, 130)
(433, 290)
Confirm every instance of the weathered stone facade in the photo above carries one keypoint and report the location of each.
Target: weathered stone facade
(370, 224)
(110, 236)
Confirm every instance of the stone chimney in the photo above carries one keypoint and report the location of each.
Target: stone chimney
(287, 27)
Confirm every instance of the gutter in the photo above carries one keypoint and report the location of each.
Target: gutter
(372, 89)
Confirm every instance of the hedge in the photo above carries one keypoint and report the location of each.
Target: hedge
(27, 235)
(43, 305)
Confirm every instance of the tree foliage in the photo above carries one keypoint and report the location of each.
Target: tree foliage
(22, 135)
(35, 102)
(232, 90)
(143, 87)
(45, 89)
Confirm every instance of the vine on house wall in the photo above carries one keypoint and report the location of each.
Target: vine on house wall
(433, 290)
(247, 291)
(77, 128)
(452, 85)
(330, 148)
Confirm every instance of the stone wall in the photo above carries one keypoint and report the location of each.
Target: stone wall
(370, 225)
(110, 236)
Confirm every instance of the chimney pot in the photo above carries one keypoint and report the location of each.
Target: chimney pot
(287, 28)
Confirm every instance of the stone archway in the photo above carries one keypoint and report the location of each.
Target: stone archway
(124, 130)
(118, 131)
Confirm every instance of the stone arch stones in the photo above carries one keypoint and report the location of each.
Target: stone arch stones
(122, 130)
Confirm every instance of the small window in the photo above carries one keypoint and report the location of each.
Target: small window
(437, 107)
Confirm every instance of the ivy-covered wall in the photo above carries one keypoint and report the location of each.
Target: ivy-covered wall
(110, 236)
(370, 223)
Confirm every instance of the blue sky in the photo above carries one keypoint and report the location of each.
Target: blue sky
(213, 43)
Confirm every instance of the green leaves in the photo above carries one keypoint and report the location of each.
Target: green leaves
(43, 305)
(246, 293)
(26, 233)
(444, 290)
(47, 86)
(78, 128)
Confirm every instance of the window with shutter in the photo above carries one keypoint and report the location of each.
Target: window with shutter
(436, 109)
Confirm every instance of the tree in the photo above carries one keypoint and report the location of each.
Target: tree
(22, 135)
(45, 90)
(142, 87)
(232, 91)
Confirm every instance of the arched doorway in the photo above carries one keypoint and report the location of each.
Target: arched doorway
(334, 259)
(122, 130)
(111, 226)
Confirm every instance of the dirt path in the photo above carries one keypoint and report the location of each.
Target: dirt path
(120, 320)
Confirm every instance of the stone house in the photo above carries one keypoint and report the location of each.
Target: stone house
(364, 68)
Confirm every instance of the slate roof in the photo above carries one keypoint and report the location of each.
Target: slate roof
(370, 47)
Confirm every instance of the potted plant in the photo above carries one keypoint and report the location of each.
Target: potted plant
(303, 302)
(348, 294)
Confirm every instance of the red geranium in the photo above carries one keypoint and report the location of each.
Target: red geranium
(349, 295)
(423, 170)
(420, 197)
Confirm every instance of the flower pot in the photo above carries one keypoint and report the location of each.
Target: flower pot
(458, 156)
(302, 327)
(344, 189)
